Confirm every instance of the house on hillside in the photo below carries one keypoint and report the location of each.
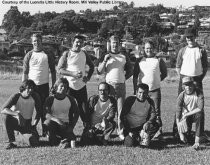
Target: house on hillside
(21, 47)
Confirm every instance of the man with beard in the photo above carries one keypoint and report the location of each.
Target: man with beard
(102, 108)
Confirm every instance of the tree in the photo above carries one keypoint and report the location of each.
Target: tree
(155, 17)
(13, 32)
(197, 21)
(26, 33)
(131, 5)
(27, 19)
(12, 18)
(175, 19)
(115, 8)
(34, 26)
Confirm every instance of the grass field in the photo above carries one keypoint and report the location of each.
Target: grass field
(160, 152)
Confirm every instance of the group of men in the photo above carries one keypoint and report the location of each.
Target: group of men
(138, 116)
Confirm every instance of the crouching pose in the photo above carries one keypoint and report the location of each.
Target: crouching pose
(61, 115)
(18, 111)
(139, 118)
(102, 109)
(190, 109)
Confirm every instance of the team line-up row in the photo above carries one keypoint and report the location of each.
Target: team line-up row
(138, 118)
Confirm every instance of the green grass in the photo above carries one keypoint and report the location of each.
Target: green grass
(159, 153)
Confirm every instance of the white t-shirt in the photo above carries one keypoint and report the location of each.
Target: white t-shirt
(39, 68)
(115, 68)
(76, 62)
(150, 72)
(191, 64)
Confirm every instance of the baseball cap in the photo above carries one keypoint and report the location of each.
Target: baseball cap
(187, 80)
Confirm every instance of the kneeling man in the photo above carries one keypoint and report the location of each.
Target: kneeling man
(61, 115)
(18, 111)
(139, 118)
(102, 109)
(190, 109)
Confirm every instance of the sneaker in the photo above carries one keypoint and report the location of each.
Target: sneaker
(145, 138)
(11, 146)
(196, 146)
(158, 134)
(122, 137)
(64, 144)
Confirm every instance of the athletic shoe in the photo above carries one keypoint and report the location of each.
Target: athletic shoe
(196, 146)
(122, 137)
(11, 146)
(145, 138)
(64, 144)
(158, 134)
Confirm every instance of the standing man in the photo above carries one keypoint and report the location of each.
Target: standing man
(151, 70)
(117, 68)
(36, 65)
(139, 117)
(191, 61)
(72, 65)
(102, 108)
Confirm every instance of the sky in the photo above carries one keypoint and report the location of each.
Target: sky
(34, 6)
